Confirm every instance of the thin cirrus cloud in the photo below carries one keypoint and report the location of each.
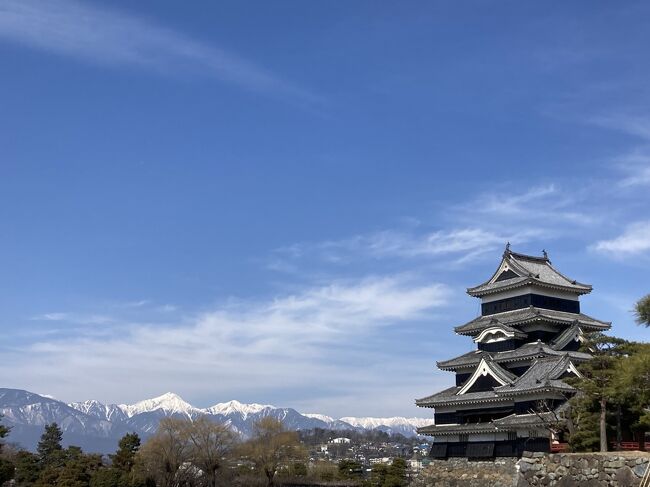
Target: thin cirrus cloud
(636, 167)
(474, 229)
(281, 344)
(112, 38)
(634, 240)
(635, 125)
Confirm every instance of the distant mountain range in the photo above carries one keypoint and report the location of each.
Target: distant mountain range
(97, 427)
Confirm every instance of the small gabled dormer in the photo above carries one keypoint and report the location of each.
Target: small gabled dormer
(569, 340)
(486, 377)
(499, 337)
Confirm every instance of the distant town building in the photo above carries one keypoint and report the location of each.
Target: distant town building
(338, 441)
(510, 393)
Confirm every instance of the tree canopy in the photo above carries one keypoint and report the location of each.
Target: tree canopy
(642, 311)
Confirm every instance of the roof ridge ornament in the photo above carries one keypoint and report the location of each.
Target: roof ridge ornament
(507, 251)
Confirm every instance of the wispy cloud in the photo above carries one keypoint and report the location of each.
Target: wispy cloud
(631, 124)
(508, 204)
(393, 243)
(548, 203)
(636, 167)
(75, 318)
(633, 241)
(112, 38)
(286, 343)
(465, 231)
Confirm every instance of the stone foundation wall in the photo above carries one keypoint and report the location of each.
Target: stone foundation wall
(456, 472)
(613, 469)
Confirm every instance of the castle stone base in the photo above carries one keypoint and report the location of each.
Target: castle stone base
(613, 469)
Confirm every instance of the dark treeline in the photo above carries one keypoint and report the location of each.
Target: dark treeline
(185, 453)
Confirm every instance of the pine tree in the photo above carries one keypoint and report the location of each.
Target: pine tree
(642, 311)
(600, 380)
(350, 469)
(7, 468)
(396, 476)
(124, 457)
(28, 468)
(4, 431)
(50, 451)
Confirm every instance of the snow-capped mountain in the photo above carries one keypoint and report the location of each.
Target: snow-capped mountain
(97, 427)
(322, 417)
(397, 425)
(96, 409)
(236, 407)
(169, 403)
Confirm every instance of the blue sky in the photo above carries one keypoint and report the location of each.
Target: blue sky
(283, 202)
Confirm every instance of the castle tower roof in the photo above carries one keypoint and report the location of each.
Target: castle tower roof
(518, 270)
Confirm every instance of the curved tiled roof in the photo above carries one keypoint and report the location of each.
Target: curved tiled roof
(528, 315)
(528, 269)
(450, 396)
(544, 374)
(451, 429)
(527, 351)
(564, 338)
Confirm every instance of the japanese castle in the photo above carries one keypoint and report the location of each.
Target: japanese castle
(510, 394)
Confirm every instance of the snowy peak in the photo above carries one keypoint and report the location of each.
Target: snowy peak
(169, 403)
(234, 407)
(372, 423)
(322, 417)
(96, 409)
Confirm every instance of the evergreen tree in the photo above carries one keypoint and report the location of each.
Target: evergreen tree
(4, 431)
(6, 467)
(396, 476)
(124, 457)
(378, 475)
(600, 380)
(635, 384)
(642, 311)
(107, 477)
(350, 469)
(49, 448)
(7, 470)
(28, 468)
(78, 468)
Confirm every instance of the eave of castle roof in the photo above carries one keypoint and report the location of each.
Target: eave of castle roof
(449, 396)
(525, 352)
(528, 315)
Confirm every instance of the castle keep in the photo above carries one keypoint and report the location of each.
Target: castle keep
(510, 393)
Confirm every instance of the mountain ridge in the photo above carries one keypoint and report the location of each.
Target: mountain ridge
(96, 426)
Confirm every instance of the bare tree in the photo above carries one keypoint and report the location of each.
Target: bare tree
(551, 417)
(272, 447)
(165, 455)
(208, 445)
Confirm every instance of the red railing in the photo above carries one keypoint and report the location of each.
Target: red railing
(559, 447)
(626, 445)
